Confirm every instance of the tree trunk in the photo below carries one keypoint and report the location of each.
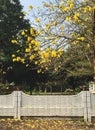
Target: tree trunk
(94, 65)
(1, 73)
(93, 46)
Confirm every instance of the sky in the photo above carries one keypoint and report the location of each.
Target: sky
(34, 3)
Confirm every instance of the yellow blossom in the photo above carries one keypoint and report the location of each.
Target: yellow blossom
(4, 72)
(89, 8)
(27, 50)
(35, 49)
(24, 13)
(62, 33)
(18, 58)
(76, 16)
(48, 26)
(13, 55)
(93, 8)
(52, 6)
(60, 6)
(14, 59)
(31, 31)
(49, 37)
(81, 38)
(28, 39)
(30, 7)
(32, 41)
(31, 57)
(48, 49)
(83, 0)
(55, 23)
(71, 6)
(68, 18)
(36, 62)
(37, 20)
(56, 69)
(53, 54)
(18, 51)
(75, 42)
(20, 17)
(46, 68)
(58, 56)
(27, 65)
(23, 33)
(39, 71)
(88, 45)
(85, 10)
(22, 60)
(60, 51)
(37, 43)
(26, 30)
(53, 42)
(45, 55)
(46, 4)
(65, 8)
(68, 2)
(14, 41)
(30, 46)
(62, 27)
(56, 37)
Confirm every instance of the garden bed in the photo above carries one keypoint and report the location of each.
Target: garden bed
(44, 124)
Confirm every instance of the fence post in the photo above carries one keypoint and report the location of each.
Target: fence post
(15, 103)
(89, 106)
(19, 103)
(85, 105)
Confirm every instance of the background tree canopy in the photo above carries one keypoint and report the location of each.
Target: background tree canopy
(59, 47)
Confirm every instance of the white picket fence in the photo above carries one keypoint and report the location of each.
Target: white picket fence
(19, 104)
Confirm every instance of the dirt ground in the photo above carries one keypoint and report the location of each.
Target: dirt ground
(44, 124)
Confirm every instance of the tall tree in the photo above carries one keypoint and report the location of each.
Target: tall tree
(11, 23)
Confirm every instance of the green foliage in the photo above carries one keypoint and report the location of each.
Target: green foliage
(74, 67)
(82, 119)
(6, 88)
(10, 25)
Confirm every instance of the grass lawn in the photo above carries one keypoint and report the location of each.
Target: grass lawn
(44, 124)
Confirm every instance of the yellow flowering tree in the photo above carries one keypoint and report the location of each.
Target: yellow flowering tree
(64, 24)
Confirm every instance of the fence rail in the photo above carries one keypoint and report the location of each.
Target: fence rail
(19, 104)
